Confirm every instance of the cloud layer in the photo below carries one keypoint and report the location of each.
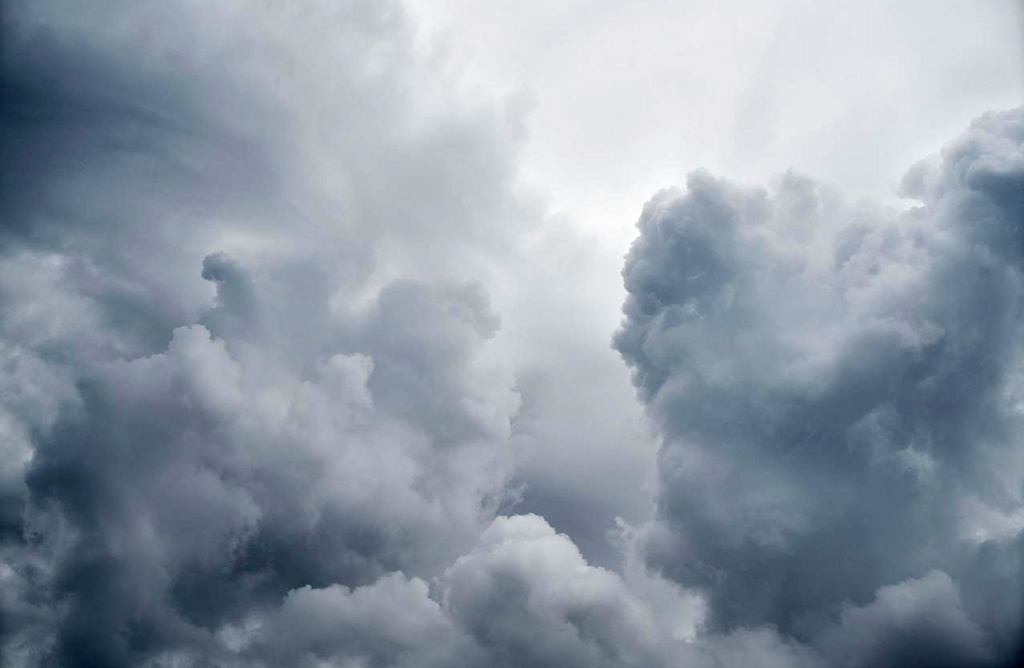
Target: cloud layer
(258, 406)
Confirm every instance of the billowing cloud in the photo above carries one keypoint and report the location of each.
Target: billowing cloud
(270, 366)
(182, 488)
(838, 388)
(225, 377)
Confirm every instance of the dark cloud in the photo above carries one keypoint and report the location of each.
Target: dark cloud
(184, 488)
(214, 391)
(250, 402)
(522, 596)
(257, 407)
(917, 622)
(838, 389)
(392, 622)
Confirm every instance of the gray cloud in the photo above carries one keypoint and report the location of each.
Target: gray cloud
(258, 407)
(183, 488)
(216, 390)
(522, 596)
(392, 622)
(919, 622)
(251, 396)
(838, 389)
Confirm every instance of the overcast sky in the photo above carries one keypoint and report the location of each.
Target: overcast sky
(448, 333)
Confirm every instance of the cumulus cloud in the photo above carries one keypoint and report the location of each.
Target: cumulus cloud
(183, 488)
(521, 596)
(392, 622)
(527, 593)
(258, 406)
(838, 389)
(920, 622)
(225, 375)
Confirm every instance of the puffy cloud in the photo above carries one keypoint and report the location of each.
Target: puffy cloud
(304, 159)
(225, 378)
(521, 596)
(257, 406)
(184, 488)
(838, 389)
(346, 153)
(392, 622)
(918, 621)
(527, 594)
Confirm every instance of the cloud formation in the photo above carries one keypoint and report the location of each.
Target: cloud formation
(256, 407)
(839, 393)
(224, 376)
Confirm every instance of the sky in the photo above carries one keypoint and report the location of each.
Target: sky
(442, 333)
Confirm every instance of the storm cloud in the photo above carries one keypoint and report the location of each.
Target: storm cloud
(838, 388)
(216, 386)
(296, 370)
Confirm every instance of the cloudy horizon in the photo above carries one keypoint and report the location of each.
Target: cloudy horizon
(445, 333)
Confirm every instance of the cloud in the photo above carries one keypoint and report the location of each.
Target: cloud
(521, 596)
(527, 594)
(225, 377)
(918, 621)
(392, 622)
(251, 375)
(838, 390)
(258, 405)
(184, 488)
